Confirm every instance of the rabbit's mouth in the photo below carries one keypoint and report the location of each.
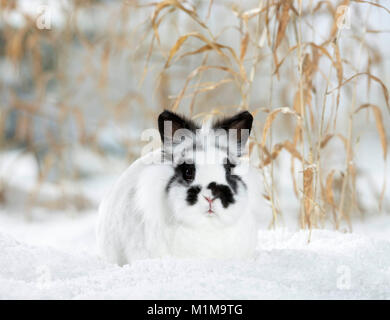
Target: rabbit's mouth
(211, 212)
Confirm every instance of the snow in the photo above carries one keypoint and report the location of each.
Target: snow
(55, 258)
(52, 254)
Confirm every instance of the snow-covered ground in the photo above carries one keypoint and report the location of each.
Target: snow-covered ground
(51, 254)
(55, 258)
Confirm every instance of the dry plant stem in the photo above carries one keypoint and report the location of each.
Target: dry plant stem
(298, 34)
(272, 189)
(345, 178)
(269, 187)
(257, 54)
(321, 127)
(349, 139)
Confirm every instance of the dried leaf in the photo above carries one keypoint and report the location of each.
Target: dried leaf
(200, 50)
(244, 46)
(308, 194)
(283, 22)
(288, 146)
(209, 45)
(271, 117)
(329, 189)
(384, 88)
(338, 64)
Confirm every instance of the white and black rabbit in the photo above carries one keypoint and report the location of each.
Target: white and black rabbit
(197, 196)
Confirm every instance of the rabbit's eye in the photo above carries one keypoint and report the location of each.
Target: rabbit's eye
(189, 173)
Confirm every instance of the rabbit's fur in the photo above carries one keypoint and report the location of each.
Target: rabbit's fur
(195, 197)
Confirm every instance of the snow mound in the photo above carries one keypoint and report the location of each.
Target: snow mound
(332, 266)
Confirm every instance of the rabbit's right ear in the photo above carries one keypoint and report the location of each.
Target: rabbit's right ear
(169, 122)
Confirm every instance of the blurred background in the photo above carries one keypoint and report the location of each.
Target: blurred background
(81, 79)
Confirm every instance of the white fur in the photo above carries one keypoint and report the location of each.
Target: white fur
(139, 219)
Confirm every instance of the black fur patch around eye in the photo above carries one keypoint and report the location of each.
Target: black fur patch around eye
(192, 195)
(187, 171)
(223, 192)
(179, 176)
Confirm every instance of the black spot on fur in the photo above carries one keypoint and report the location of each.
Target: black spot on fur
(187, 171)
(223, 192)
(192, 195)
(232, 179)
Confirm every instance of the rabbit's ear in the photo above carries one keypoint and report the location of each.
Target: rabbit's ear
(242, 122)
(169, 122)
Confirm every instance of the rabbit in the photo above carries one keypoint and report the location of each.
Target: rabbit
(195, 197)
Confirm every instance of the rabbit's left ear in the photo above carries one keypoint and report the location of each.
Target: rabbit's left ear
(170, 122)
(242, 122)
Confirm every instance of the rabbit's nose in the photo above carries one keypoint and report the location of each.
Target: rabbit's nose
(208, 199)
